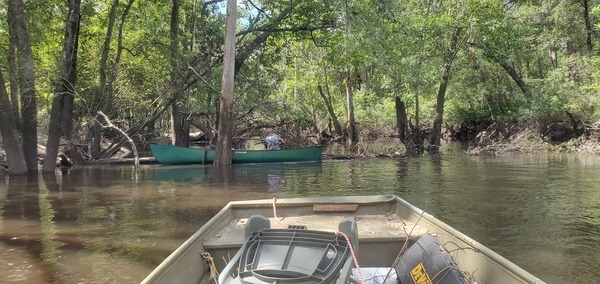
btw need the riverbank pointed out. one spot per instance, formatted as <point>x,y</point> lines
<point>528,138</point>
<point>480,139</point>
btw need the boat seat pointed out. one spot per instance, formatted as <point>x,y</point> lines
<point>292,255</point>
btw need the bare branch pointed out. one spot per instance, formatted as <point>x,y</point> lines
<point>274,30</point>
<point>133,148</point>
<point>204,80</point>
<point>259,9</point>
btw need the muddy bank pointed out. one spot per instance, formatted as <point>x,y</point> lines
<point>532,137</point>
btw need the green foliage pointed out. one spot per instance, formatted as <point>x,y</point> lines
<point>394,48</point>
<point>569,88</point>
<point>373,112</point>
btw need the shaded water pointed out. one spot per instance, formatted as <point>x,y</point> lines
<point>100,225</point>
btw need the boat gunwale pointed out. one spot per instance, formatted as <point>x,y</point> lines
<point>240,150</point>
<point>276,150</point>
<point>479,247</point>
<point>177,155</point>
<point>186,246</point>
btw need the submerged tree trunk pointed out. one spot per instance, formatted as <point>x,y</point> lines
<point>10,136</point>
<point>18,29</point>
<point>65,86</point>
<point>226,119</point>
<point>436,136</point>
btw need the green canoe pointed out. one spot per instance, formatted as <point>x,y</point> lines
<point>167,154</point>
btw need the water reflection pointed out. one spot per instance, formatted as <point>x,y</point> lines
<point>99,225</point>
<point>235,174</point>
<point>275,181</point>
<point>181,173</point>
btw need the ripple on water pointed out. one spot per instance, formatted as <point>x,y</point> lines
<point>541,212</point>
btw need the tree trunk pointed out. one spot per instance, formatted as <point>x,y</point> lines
<point>109,124</point>
<point>352,133</point>
<point>418,70</point>
<point>180,136</point>
<point>108,75</point>
<point>401,119</point>
<point>67,115</point>
<point>107,80</point>
<point>96,138</point>
<point>115,68</point>
<point>65,85</point>
<point>336,123</point>
<point>418,85</point>
<point>436,136</point>
<point>18,29</point>
<point>10,136</point>
<point>226,119</point>
<point>13,78</point>
<point>510,70</point>
<point>105,91</point>
<point>588,25</point>
<point>515,76</point>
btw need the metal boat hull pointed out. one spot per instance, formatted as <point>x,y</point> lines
<point>385,224</point>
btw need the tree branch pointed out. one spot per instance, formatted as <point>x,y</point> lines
<point>275,30</point>
<point>110,125</point>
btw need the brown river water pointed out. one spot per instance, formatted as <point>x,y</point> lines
<point>106,224</point>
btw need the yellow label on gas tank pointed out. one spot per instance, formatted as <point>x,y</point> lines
<point>419,274</point>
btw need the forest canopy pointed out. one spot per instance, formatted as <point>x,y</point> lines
<point>315,70</point>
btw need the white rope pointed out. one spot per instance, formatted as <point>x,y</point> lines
<point>275,213</point>
<point>360,276</point>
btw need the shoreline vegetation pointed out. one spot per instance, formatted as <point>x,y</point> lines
<point>90,81</point>
<point>482,139</point>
